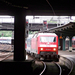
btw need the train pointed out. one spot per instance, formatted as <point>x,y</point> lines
<point>67,43</point>
<point>73,43</point>
<point>28,44</point>
<point>5,40</point>
<point>43,45</point>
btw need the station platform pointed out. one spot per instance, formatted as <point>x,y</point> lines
<point>66,53</point>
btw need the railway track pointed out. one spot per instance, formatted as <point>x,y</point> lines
<point>43,68</point>
<point>6,47</point>
<point>63,67</point>
<point>46,68</point>
<point>58,68</point>
<point>68,64</point>
<point>51,68</point>
<point>5,55</point>
<point>5,51</point>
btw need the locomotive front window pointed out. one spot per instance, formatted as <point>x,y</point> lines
<point>47,39</point>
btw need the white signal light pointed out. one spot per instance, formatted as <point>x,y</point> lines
<point>41,49</point>
<point>54,49</point>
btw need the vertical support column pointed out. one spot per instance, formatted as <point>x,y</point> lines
<point>12,40</point>
<point>63,43</point>
<point>70,43</point>
<point>19,36</point>
<point>58,43</point>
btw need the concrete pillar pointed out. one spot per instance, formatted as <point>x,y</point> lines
<point>19,36</point>
<point>63,43</point>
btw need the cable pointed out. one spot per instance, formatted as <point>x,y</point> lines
<point>51,7</point>
<point>13,5</point>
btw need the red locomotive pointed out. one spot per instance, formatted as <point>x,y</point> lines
<point>44,45</point>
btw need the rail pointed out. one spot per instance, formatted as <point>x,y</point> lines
<point>67,62</point>
<point>43,69</point>
<point>59,68</point>
<point>6,55</point>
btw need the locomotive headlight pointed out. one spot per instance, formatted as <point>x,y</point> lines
<point>54,49</point>
<point>41,49</point>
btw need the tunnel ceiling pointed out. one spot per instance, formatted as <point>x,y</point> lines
<point>39,7</point>
<point>65,30</point>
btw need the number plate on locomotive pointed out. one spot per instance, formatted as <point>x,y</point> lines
<point>47,45</point>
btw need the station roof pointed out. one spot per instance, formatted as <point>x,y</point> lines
<point>39,7</point>
<point>65,30</point>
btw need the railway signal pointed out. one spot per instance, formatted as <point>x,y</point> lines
<point>45,26</point>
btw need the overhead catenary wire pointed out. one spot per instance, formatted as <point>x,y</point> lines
<point>51,7</point>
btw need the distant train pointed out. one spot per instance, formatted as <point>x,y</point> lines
<point>67,43</point>
<point>43,45</point>
<point>28,43</point>
<point>73,43</point>
<point>5,40</point>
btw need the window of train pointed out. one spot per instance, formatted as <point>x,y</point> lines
<point>47,39</point>
<point>35,35</point>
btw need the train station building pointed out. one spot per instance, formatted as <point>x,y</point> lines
<point>19,10</point>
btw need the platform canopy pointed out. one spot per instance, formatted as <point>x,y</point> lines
<point>65,30</point>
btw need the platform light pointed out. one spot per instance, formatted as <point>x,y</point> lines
<point>60,37</point>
